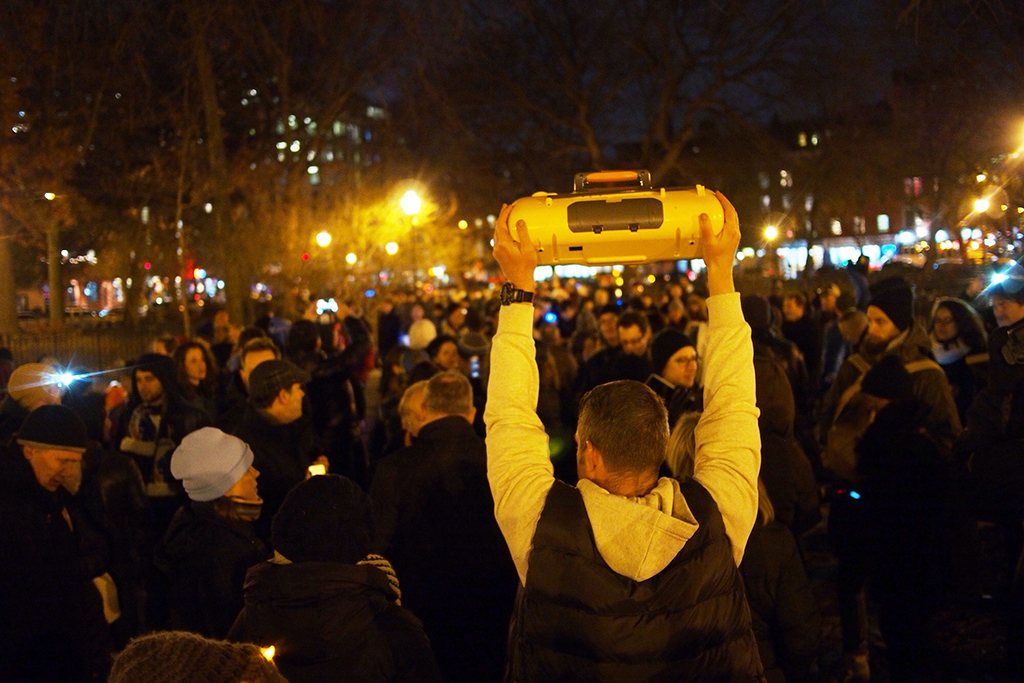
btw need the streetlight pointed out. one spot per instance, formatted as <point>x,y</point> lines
<point>771,232</point>
<point>981,205</point>
<point>411,203</point>
<point>49,196</point>
<point>350,258</point>
<point>323,238</point>
<point>391,248</point>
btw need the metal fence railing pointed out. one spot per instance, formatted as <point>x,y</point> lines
<point>92,350</point>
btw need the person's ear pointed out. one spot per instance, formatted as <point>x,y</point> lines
<point>471,415</point>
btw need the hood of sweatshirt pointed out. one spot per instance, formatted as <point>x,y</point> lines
<point>638,537</point>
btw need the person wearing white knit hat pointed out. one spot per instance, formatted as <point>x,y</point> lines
<point>211,543</point>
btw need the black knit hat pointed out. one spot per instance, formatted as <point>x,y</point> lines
<point>54,427</point>
<point>326,518</point>
<point>664,346</point>
<point>895,297</point>
<point>888,379</point>
<point>178,656</point>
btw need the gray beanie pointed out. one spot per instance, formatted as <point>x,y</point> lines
<point>209,462</point>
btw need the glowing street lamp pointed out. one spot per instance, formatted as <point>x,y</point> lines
<point>350,258</point>
<point>411,203</point>
<point>771,232</point>
<point>981,205</point>
<point>391,248</point>
<point>49,196</point>
<point>323,238</point>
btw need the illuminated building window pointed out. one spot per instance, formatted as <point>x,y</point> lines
<point>785,180</point>
<point>837,227</point>
<point>801,139</point>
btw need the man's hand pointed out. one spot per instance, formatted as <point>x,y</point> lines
<point>518,259</point>
<point>719,251</point>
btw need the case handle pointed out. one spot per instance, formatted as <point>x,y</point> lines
<point>584,181</point>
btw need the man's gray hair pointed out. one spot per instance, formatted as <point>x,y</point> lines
<point>448,393</point>
<point>407,396</point>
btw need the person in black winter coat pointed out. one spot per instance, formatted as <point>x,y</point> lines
<point>456,571</point>
<point>906,498</point>
<point>211,543</point>
<point>331,611</point>
<point>52,626</point>
<point>276,427</point>
<point>785,469</point>
<point>783,612</point>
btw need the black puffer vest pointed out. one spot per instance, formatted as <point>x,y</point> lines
<point>578,620</point>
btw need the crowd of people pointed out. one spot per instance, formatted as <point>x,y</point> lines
<point>572,488</point>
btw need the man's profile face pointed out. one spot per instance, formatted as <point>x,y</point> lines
<point>1007,311</point>
<point>52,465</point>
<point>828,302</point>
<point>792,311</point>
<point>251,360</point>
<point>148,387</point>
<point>881,330</point>
<point>292,403</point>
<point>632,340</point>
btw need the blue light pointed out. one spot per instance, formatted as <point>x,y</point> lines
<point>854,495</point>
<point>998,278</point>
<point>550,317</point>
<point>370,294</point>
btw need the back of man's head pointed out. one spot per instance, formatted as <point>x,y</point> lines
<point>627,423</point>
<point>448,393</point>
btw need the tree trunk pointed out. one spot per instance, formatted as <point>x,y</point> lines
<point>236,280</point>
<point>8,309</point>
<point>53,270</point>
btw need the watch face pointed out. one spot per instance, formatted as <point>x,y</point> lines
<point>506,294</point>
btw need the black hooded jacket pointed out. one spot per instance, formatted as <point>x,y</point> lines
<point>330,621</point>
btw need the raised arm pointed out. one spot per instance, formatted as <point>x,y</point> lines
<point>728,456</point>
<point>518,462</point>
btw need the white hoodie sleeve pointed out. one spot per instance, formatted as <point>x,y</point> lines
<point>518,458</point>
<point>728,456</point>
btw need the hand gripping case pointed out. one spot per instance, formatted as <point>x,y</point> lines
<point>598,225</point>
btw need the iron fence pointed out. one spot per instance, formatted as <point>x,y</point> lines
<point>79,349</point>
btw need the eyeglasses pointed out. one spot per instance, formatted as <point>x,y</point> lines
<point>689,360</point>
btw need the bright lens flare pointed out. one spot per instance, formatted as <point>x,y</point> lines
<point>350,259</point>
<point>268,653</point>
<point>771,232</point>
<point>323,238</point>
<point>411,203</point>
<point>391,248</point>
<point>981,205</point>
<point>998,278</point>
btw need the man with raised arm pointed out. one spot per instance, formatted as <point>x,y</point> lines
<point>627,576</point>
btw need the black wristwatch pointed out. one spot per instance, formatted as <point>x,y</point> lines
<point>511,295</point>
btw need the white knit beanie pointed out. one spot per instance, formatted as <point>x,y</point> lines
<point>209,462</point>
<point>421,333</point>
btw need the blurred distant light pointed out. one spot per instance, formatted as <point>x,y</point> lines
<point>220,284</point>
<point>771,232</point>
<point>147,265</point>
<point>998,278</point>
<point>652,279</point>
<point>981,177</point>
<point>312,170</point>
<point>323,238</point>
<point>619,281</point>
<point>411,203</point>
<point>199,273</point>
<point>618,293</point>
<point>305,257</point>
<point>208,207</point>
<point>941,235</point>
<point>463,225</point>
<point>1003,207</point>
<point>350,259</point>
<point>391,248</point>
<point>296,146</point>
<point>550,318</point>
<point>981,205</point>
<point>50,196</point>
<point>370,293</point>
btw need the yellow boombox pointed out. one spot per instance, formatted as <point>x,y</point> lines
<point>599,225</point>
